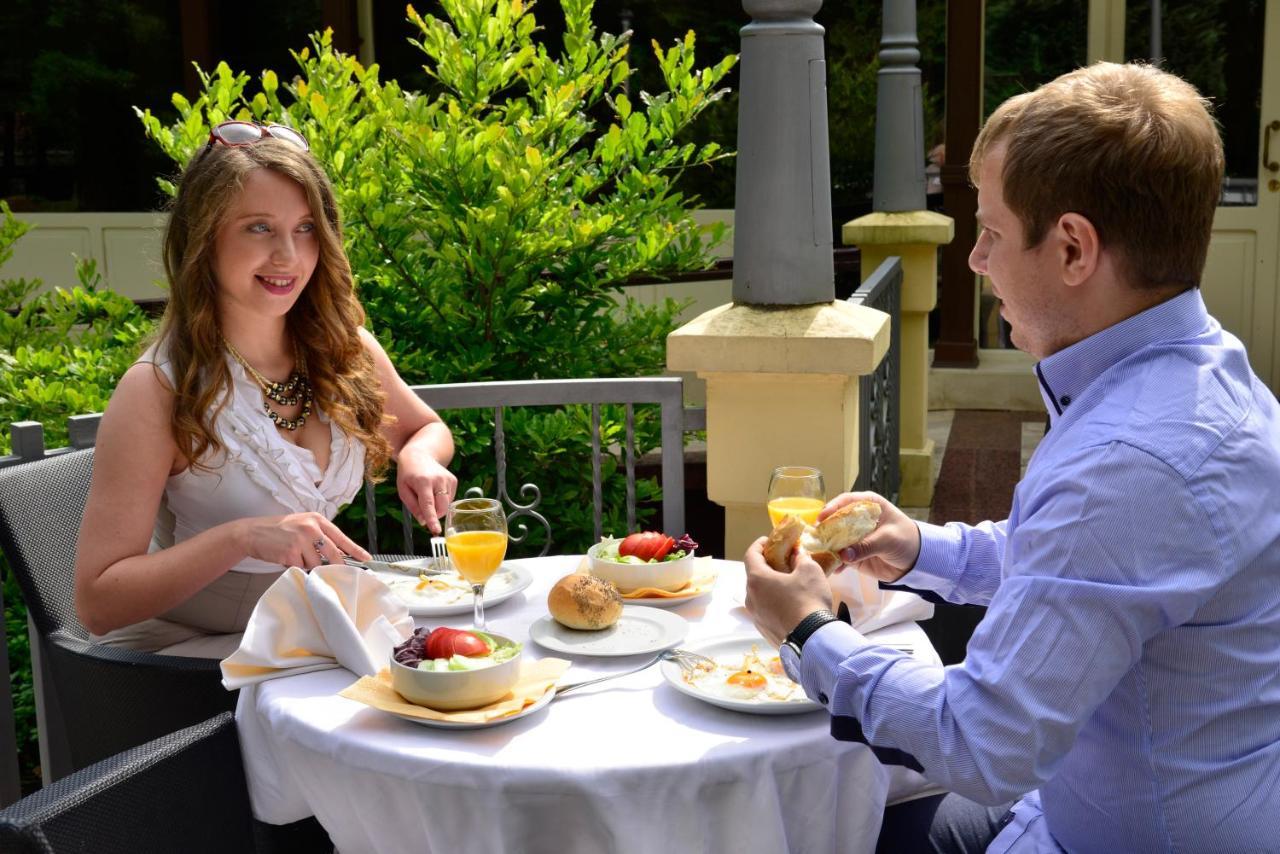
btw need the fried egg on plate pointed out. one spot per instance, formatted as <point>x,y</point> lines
<point>750,678</point>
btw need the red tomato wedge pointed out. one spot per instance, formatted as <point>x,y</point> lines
<point>445,642</point>
<point>647,545</point>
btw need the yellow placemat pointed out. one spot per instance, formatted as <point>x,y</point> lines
<point>704,578</point>
<point>536,678</point>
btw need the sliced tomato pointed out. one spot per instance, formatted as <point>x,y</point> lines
<point>445,642</point>
<point>647,545</point>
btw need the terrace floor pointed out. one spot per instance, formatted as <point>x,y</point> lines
<point>978,458</point>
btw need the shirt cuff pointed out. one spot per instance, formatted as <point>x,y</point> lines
<point>820,660</point>
<point>938,566</point>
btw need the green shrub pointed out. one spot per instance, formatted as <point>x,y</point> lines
<point>61,354</point>
<point>491,225</point>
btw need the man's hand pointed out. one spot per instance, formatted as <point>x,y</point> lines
<point>890,551</point>
<point>778,601</point>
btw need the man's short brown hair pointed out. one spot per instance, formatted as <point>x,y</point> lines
<point>1130,147</point>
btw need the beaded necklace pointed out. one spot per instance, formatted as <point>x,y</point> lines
<point>296,389</point>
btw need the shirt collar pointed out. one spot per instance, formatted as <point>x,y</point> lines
<point>1066,374</point>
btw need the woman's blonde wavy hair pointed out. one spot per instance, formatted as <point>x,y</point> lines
<point>324,323</point>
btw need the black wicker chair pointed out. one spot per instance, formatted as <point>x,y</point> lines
<point>183,792</point>
<point>94,700</point>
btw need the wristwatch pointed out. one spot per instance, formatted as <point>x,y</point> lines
<point>807,627</point>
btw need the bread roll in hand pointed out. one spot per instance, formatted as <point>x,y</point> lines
<point>582,601</point>
<point>823,541</point>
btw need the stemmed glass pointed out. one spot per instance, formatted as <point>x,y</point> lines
<point>475,534</point>
<point>796,491</point>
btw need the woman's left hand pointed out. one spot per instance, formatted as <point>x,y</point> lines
<point>426,487</point>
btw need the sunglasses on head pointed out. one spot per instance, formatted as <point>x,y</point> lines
<point>237,133</point>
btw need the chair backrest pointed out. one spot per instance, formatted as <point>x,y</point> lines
<point>184,792</point>
<point>41,504</point>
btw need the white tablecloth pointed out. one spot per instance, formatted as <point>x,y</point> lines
<point>630,765</point>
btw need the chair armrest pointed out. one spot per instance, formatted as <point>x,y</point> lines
<point>184,791</point>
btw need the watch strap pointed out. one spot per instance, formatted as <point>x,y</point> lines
<point>808,626</point>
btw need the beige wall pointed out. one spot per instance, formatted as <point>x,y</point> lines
<point>125,245</point>
<point>127,248</point>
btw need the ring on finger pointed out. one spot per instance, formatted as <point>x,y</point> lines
<point>442,492</point>
<point>318,545</point>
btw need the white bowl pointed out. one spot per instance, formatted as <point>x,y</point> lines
<point>664,575</point>
<point>449,690</point>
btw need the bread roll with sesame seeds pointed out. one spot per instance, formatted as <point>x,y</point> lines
<point>583,601</point>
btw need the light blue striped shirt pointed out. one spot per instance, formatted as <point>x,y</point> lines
<point>1127,672</point>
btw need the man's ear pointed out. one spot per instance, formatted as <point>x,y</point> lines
<point>1079,248</point>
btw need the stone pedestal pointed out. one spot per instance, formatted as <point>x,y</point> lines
<point>782,389</point>
<point>915,237</point>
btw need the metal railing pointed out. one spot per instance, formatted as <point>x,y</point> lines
<point>878,395</point>
<point>667,392</point>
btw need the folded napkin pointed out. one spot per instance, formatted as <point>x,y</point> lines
<point>871,608</point>
<point>536,678</point>
<point>332,616</point>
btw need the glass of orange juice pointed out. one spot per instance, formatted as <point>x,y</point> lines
<point>796,491</point>
<point>475,533</point>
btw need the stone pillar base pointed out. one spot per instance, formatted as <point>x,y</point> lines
<point>743,523</point>
<point>916,466</point>
<point>782,389</point>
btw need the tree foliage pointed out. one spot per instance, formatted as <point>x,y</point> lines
<point>491,224</point>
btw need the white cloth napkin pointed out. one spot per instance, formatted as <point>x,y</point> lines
<point>871,608</point>
<point>332,616</point>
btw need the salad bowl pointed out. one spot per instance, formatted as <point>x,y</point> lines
<point>630,573</point>
<point>479,684</point>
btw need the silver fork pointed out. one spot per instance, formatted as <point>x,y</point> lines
<point>687,661</point>
<point>439,554</point>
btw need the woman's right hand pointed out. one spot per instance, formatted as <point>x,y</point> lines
<point>890,551</point>
<point>307,540</point>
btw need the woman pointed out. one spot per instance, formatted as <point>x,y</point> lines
<point>230,445</point>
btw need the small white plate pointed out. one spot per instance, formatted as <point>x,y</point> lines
<point>509,580</point>
<point>527,710</point>
<point>733,647</point>
<point>638,630</point>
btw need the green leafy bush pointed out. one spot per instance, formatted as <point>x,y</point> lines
<point>61,354</point>
<point>491,225</point>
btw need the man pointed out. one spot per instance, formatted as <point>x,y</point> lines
<point>1123,690</point>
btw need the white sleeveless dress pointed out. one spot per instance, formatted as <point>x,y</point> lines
<point>261,475</point>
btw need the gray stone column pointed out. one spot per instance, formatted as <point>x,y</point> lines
<point>899,175</point>
<point>782,212</point>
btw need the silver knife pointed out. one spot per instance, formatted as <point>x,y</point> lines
<point>403,569</point>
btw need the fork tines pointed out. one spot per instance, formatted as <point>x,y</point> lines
<point>439,554</point>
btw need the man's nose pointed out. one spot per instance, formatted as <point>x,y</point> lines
<point>978,256</point>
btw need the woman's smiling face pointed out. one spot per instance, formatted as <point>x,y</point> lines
<point>266,249</point>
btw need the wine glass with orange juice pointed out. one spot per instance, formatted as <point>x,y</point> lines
<point>796,491</point>
<point>475,534</point>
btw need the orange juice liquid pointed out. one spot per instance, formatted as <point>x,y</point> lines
<point>476,554</point>
<point>795,505</point>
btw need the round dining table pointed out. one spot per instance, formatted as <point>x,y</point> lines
<point>629,765</point>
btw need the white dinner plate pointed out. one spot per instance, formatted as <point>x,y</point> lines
<point>547,697</point>
<point>735,647</point>
<point>638,630</point>
<point>509,580</point>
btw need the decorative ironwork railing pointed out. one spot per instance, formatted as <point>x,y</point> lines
<point>878,396</point>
